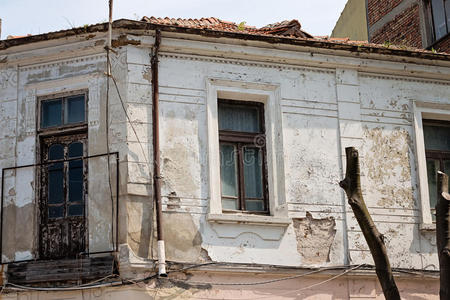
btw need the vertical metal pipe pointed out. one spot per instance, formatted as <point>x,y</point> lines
<point>156,156</point>
<point>110,23</point>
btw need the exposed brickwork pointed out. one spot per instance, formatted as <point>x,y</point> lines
<point>403,30</point>
<point>376,9</point>
<point>443,45</point>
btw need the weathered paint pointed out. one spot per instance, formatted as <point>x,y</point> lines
<point>326,103</point>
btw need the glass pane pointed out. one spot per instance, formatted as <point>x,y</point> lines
<point>75,181</point>
<point>228,170</point>
<point>447,12</point>
<point>55,152</point>
<point>76,210</point>
<point>432,168</point>
<point>254,205</point>
<point>55,184</point>
<point>447,170</point>
<point>253,173</point>
<point>51,113</point>
<point>436,137</point>
<point>74,112</point>
<point>440,27</point>
<point>239,118</point>
<point>55,212</point>
<point>76,149</point>
<point>228,203</point>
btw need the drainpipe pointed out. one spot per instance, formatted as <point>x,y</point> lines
<point>156,157</point>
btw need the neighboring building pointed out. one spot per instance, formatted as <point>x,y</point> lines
<point>412,23</point>
<point>352,22</point>
<point>253,125</point>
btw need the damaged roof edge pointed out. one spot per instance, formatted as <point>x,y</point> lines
<point>140,25</point>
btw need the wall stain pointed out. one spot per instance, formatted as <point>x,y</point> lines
<point>388,166</point>
<point>314,238</point>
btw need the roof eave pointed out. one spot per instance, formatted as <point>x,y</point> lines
<point>139,25</point>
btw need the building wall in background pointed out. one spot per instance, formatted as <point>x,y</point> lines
<point>404,29</point>
<point>406,23</point>
<point>352,23</point>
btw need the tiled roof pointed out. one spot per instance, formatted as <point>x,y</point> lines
<point>288,32</point>
<point>286,28</point>
<point>290,29</point>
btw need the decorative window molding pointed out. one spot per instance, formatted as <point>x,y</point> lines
<point>430,111</point>
<point>269,95</point>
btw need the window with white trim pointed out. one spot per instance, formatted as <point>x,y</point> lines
<point>436,135</point>
<point>432,133</point>
<point>234,196</point>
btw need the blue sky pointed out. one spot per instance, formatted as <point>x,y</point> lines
<point>21,17</point>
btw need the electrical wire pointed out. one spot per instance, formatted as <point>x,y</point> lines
<point>128,118</point>
<point>109,73</point>
<point>262,282</point>
<point>281,279</point>
<point>138,140</point>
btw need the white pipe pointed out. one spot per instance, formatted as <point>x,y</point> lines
<point>161,259</point>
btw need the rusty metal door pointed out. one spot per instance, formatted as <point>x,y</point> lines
<point>63,196</point>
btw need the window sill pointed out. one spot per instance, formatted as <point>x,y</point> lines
<point>249,220</point>
<point>427,227</point>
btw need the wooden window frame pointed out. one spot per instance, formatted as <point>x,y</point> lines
<point>241,140</point>
<point>437,154</point>
<point>63,97</point>
<point>431,23</point>
<point>64,131</point>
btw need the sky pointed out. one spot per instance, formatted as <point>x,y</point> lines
<point>21,17</point>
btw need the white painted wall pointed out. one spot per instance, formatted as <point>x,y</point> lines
<point>327,101</point>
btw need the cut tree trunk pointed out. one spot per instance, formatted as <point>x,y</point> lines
<point>352,187</point>
<point>443,235</point>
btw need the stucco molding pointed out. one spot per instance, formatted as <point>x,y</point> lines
<point>269,94</point>
<point>401,78</point>
<point>53,63</point>
<point>437,111</point>
<point>246,63</point>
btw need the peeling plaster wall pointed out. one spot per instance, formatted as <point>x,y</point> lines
<point>52,72</point>
<point>323,109</point>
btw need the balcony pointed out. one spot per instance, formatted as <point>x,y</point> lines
<point>59,219</point>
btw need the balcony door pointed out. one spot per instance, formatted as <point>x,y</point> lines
<point>63,196</point>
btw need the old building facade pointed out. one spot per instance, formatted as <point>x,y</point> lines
<point>412,23</point>
<point>253,125</point>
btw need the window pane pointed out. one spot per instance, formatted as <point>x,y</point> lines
<point>76,210</point>
<point>254,205</point>
<point>253,176</point>
<point>55,183</point>
<point>51,113</point>
<point>76,149</point>
<point>228,170</point>
<point>447,170</point>
<point>447,12</point>
<point>432,168</point>
<point>228,203</point>
<point>55,212</point>
<point>239,118</point>
<point>76,181</point>
<point>55,152</point>
<point>436,137</point>
<point>74,112</point>
<point>440,27</point>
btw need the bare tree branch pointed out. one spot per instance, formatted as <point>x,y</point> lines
<point>352,187</point>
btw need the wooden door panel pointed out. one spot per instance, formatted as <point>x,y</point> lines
<point>62,233</point>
